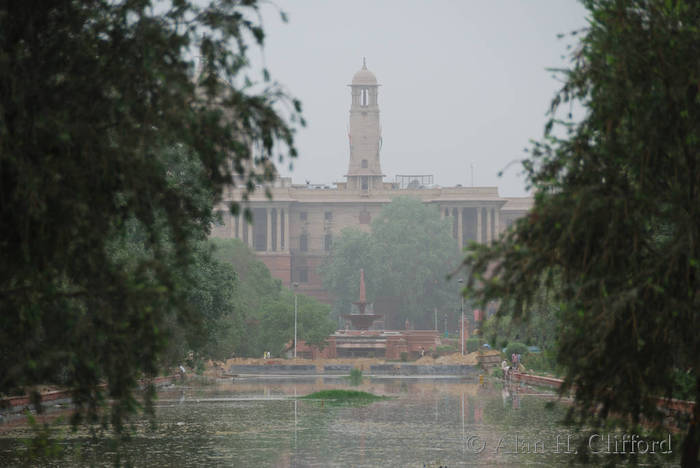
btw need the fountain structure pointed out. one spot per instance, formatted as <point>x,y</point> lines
<point>357,339</point>
<point>365,316</point>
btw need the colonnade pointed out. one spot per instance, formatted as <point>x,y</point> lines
<point>276,235</point>
<point>483,229</point>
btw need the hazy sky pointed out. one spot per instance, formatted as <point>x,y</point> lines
<point>462,82</point>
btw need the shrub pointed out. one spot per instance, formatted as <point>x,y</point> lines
<point>497,372</point>
<point>355,376</point>
<point>199,367</point>
<point>543,362</point>
<point>445,349</point>
<point>517,348</point>
<point>472,344</point>
<point>404,356</point>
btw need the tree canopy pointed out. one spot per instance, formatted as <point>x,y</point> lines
<point>112,152</point>
<point>616,219</point>
<point>264,317</point>
<point>406,257</point>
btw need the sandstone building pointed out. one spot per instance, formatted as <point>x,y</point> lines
<point>293,232</point>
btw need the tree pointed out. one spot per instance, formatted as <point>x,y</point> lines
<point>211,295</point>
<point>340,272</point>
<point>617,217</point>
<point>407,257</point>
<point>94,95</point>
<point>539,330</point>
<point>264,311</point>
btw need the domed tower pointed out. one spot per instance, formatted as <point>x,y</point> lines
<point>364,171</point>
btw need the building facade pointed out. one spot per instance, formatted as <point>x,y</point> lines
<point>293,232</point>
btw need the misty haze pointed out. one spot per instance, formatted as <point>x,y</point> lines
<point>411,234</point>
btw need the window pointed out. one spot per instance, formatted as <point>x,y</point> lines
<point>304,243</point>
<point>364,164</point>
<point>364,100</point>
<point>327,242</point>
<point>365,183</point>
<point>303,275</point>
<point>303,216</point>
<point>328,216</point>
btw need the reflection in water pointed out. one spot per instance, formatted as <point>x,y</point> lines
<point>258,422</point>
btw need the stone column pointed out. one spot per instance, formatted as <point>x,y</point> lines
<point>478,225</point>
<point>236,222</point>
<point>268,240</point>
<point>251,241</point>
<point>279,230</point>
<point>496,222</point>
<point>488,225</point>
<point>287,232</point>
<point>460,222</point>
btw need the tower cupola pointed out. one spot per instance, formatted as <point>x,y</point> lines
<point>364,171</point>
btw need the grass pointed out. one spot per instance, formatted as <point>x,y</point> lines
<point>344,396</point>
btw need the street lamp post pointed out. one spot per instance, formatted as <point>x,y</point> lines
<point>295,285</point>
<point>461,323</point>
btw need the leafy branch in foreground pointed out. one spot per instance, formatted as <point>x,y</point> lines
<point>614,233</point>
<point>112,154</point>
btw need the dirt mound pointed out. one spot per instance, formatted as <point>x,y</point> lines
<point>470,359</point>
<point>360,363</point>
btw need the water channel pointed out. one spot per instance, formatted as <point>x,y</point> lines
<point>257,422</point>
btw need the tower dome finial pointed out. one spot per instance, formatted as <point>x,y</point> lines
<point>364,76</point>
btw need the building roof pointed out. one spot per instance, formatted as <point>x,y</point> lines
<point>518,204</point>
<point>364,76</point>
<point>464,196</point>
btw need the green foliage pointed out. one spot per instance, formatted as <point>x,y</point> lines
<point>497,372</point>
<point>355,376</point>
<point>351,251</point>
<point>344,396</point>
<point>44,447</point>
<point>472,344</point>
<point>210,298</point>
<point>684,384</point>
<point>445,349</point>
<point>541,362</point>
<point>264,319</point>
<point>406,259</point>
<point>404,356</point>
<point>614,235</point>
<point>540,328</point>
<point>517,348</point>
<point>112,154</point>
